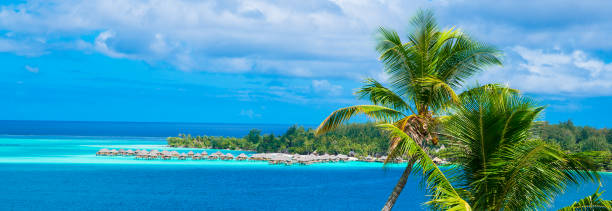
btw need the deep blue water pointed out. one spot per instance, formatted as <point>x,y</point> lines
<point>134,187</point>
<point>62,173</point>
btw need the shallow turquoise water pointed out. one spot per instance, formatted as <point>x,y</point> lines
<point>53,173</point>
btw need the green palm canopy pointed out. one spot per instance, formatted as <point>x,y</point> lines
<point>425,70</point>
<point>499,163</point>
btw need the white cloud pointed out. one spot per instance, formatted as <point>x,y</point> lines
<point>101,45</point>
<point>249,113</point>
<point>323,86</point>
<point>554,72</point>
<point>31,69</point>
<point>318,39</point>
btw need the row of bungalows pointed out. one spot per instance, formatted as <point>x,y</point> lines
<point>287,159</point>
<point>114,152</point>
<point>380,159</point>
<point>169,155</point>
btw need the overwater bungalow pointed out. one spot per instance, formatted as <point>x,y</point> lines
<point>153,155</point>
<point>142,154</point>
<point>190,154</point>
<point>114,152</point>
<point>213,156</point>
<point>129,152</point>
<point>242,156</point>
<point>175,154</point>
<point>166,155</point>
<point>182,156</point>
<point>228,156</point>
<point>156,152</point>
<point>220,154</point>
<point>204,155</point>
<point>165,152</point>
<point>103,152</point>
<point>196,156</point>
<point>121,152</point>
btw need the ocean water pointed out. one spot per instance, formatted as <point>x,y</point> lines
<point>63,173</point>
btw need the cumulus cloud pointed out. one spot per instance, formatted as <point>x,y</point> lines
<point>317,39</point>
<point>553,72</point>
<point>323,86</point>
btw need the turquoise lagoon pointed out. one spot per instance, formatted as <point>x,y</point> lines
<point>63,173</point>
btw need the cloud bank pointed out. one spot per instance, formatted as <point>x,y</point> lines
<point>551,48</point>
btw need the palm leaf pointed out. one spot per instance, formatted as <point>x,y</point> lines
<point>380,95</point>
<point>590,203</point>
<point>340,116</point>
<point>444,196</point>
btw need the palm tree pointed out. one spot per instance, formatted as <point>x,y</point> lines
<point>424,73</point>
<point>592,203</point>
<point>500,165</point>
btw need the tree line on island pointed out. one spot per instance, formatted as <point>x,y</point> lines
<point>363,139</point>
<point>352,139</point>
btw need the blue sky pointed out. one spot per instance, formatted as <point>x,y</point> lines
<point>276,61</point>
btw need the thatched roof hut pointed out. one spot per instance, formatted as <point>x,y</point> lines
<point>129,152</point>
<point>229,156</point>
<point>242,156</point>
<point>121,151</point>
<point>114,152</point>
<point>213,156</point>
<point>204,153</point>
<point>182,156</point>
<point>190,154</point>
<point>142,154</point>
<point>156,152</point>
<point>196,156</point>
<point>103,152</point>
<point>174,154</point>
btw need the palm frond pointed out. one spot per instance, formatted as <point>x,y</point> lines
<point>380,95</point>
<point>441,95</point>
<point>444,196</point>
<point>503,168</point>
<point>591,203</point>
<point>340,116</point>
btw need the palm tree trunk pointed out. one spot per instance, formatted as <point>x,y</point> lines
<point>399,186</point>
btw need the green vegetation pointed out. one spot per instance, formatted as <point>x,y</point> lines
<point>501,166</point>
<point>585,141</point>
<point>357,139</point>
<point>592,202</point>
<point>575,138</point>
